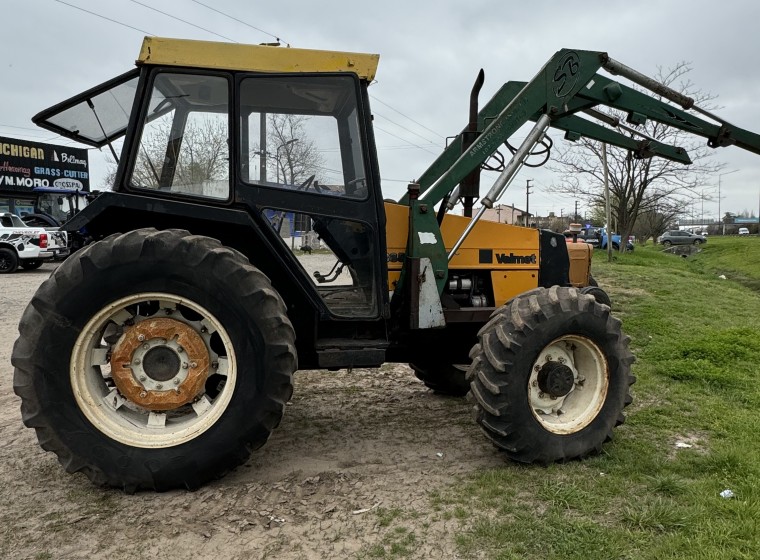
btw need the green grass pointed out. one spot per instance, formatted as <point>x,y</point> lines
<point>697,342</point>
<point>738,258</point>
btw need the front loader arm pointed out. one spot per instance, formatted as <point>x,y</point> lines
<point>568,85</point>
<point>556,83</point>
<point>575,127</point>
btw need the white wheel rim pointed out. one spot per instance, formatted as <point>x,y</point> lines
<point>573,411</point>
<point>125,421</point>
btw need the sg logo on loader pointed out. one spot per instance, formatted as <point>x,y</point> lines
<point>566,74</point>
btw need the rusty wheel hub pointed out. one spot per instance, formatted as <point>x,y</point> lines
<point>160,364</point>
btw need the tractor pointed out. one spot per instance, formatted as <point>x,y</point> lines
<point>172,340</point>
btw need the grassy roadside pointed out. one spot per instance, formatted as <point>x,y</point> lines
<point>692,432</point>
<point>738,258</point>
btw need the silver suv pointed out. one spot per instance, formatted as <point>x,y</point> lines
<point>678,237</point>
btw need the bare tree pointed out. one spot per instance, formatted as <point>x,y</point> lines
<point>638,186</point>
<point>200,154</point>
<point>293,154</point>
<point>204,154</point>
<point>656,220</point>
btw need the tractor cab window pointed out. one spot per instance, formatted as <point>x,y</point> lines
<point>184,144</point>
<point>302,133</point>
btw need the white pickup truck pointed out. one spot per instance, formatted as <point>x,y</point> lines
<point>28,247</point>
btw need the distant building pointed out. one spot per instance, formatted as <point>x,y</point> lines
<point>505,214</point>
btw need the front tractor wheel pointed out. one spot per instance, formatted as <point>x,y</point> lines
<point>148,377</point>
<point>551,376</point>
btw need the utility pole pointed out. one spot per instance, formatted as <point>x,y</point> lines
<point>720,216</point>
<point>527,201</point>
<point>607,202</point>
<point>702,218</point>
<point>575,215</point>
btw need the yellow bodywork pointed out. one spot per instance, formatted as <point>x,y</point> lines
<point>254,58</point>
<point>510,253</point>
<point>580,262</point>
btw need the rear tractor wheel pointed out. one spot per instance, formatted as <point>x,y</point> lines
<point>442,378</point>
<point>551,376</point>
<point>151,379</point>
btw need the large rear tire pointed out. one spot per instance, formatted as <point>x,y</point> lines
<point>551,376</point>
<point>167,359</point>
<point>442,378</point>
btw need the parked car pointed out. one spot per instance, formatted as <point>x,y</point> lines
<point>743,231</point>
<point>597,236</point>
<point>28,247</point>
<point>678,237</point>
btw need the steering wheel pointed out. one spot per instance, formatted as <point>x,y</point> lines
<point>305,185</point>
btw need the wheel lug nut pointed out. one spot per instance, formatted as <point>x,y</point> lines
<point>159,386</point>
<point>176,381</point>
<point>185,365</point>
<point>541,395</point>
<point>137,362</point>
<point>146,347</point>
<point>143,394</point>
<point>143,378</point>
<point>180,349</point>
<point>193,365</point>
<point>140,337</point>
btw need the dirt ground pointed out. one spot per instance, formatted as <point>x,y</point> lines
<point>351,468</point>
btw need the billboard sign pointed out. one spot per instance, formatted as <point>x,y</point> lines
<point>26,165</point>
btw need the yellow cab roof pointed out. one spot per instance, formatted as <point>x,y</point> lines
<point>254,58</point>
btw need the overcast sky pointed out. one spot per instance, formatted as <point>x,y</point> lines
<point>430,52</point>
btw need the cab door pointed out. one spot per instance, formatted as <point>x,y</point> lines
<point>304,165</point>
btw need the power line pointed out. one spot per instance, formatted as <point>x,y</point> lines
<point>401,126</point>
<point>182,20</point>
<point>20,127</point>
<point>404,140</point>
<point>240,21</point>
<point>406,116</point>
<point>105,18</point>
<point>407,147</point>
